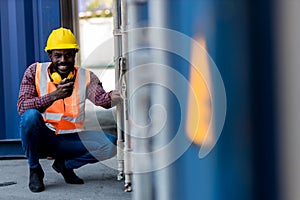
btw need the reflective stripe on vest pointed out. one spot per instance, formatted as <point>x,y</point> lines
<point>65,115</point>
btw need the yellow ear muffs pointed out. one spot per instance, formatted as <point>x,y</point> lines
<point>57,78</point>
<point>71,75</point>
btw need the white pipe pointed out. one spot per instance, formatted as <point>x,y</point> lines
<point>117,55</point>
<point>124,80</point>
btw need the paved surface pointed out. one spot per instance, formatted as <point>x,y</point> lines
<point>100,183</point>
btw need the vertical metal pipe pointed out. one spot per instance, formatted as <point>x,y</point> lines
<point>124,80</point>
<point>119,109</point>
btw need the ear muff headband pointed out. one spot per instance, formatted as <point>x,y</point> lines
<point>57,78</point>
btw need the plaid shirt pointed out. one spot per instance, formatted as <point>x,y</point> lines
<point>28,96</point>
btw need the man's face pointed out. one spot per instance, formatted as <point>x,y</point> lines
<point>63,61</point>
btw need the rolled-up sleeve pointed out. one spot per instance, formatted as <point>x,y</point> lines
<point>97,94</point>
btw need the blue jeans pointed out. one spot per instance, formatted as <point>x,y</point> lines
<point>77,149</point>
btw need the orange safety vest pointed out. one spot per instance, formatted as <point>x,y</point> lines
<point>64,115</point>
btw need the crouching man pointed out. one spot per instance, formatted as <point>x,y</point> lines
<point>52,107</point>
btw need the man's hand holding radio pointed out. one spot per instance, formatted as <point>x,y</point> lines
<point>64,89</point>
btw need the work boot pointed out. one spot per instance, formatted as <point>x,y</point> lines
<point>36,179</point>
<point>68,174</point>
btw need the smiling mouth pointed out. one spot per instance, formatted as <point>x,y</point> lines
<point>63,68</point>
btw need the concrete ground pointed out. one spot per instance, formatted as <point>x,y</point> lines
<point>100,183</point>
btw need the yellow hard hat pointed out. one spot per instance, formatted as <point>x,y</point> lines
<point>61,38</point>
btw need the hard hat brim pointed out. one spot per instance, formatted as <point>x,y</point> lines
<point>62,47</point>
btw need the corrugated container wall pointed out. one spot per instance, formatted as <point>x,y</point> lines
<point>24,28</point>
